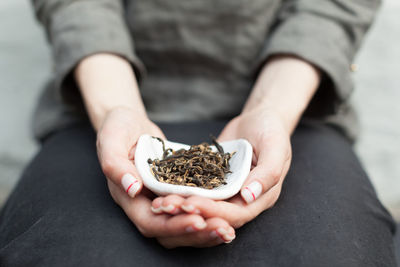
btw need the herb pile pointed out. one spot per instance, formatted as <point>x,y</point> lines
<point>198,166</point>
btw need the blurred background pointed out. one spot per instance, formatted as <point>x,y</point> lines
<point>25,65</point>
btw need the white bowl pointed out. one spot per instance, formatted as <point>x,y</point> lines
<point>240,163</point>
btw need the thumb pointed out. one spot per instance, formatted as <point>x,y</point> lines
<point>272,165</point>
<point>116,141</point>
<point>118,168</point>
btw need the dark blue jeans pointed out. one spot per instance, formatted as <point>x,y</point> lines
<point>61,214</point>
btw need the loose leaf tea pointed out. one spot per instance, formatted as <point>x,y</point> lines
<point>198,166</point>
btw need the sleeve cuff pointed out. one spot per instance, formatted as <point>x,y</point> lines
<point>319,41</point>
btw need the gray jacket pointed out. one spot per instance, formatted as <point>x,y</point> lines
<point>197,60</point>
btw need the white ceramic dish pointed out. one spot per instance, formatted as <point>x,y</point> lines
<point>240,163</point>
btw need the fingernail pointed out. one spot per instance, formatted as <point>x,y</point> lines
<point>130,184</point>
<point>251,192</point>
<point>228,238</point>
<point>200,225</point>
<point>188,208</point>
<point>168,208</point>
<point>218,233</point>
<point>156,210</point>
<point>221,231</point>
<point>189,229</point>
<point>223,234</point>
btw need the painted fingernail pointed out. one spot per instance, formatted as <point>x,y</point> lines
<point>223,237</point>
<point>170,208</point>
<point>156,210</point>
<point>200,225</point>
<point>228,238</point>
<point>190,209</point>
<point>221,231</point>
<point>251,192</point>
<point>130,184</point>
<point>223,234</point>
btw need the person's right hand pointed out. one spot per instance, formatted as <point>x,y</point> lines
<point>116,143</point>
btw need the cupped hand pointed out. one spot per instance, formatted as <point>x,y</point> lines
<point>265,129</point>
<point>116,143</point>
<point>172,230</point>
<point>266,132</point>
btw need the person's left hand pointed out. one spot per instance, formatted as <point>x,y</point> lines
<point>266,132</point>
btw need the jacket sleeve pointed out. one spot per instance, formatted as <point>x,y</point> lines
<point>79,28</point>
<point>326,33</point>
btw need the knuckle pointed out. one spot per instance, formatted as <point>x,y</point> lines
<point>99,145</point>
<point>165,243</point>
<point>107,166</point>
<point>237,223</point>
<point>275,175</point>
<point>144,231</point>
<point>99,137</point>
<point>272,201</point>
<point>245,217</point>
<point>288,154</point>
<point>288,150</point>
<point>158,201</point>
<point>98,142</point>
<point>113,193</point>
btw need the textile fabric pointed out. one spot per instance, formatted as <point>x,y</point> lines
<point>61,213</point>
<point>198,60</point>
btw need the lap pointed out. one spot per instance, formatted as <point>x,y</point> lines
<point>328,214</point>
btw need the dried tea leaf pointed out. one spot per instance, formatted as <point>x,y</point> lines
<point>198,166</point>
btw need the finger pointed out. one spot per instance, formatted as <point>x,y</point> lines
<point>158,225</point>
<point>217,232</point>
<point>220,230</point>
<point>156,205</point>
<point>170,204</point>
<point>272,165</point>
<point>235,214</point>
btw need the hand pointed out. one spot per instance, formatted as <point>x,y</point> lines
<point>264,129</point>
<point>116,144</point>
<point>172,231</point>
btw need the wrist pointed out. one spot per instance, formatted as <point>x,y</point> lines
<point>285,85</point>
<point>107,82</point>
<point>100,113</point>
